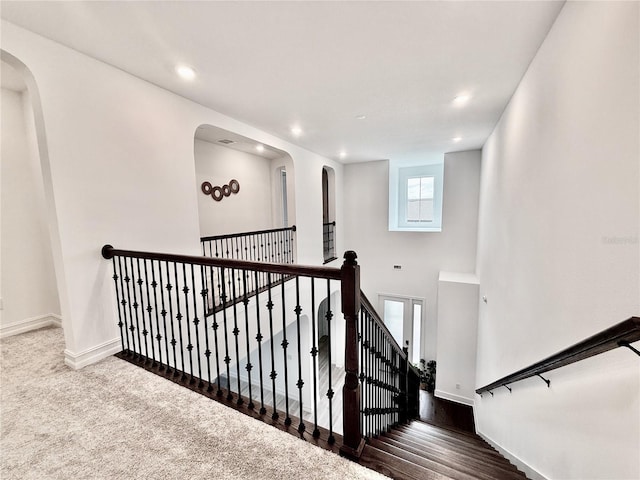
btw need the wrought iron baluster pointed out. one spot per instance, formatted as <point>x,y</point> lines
<point>300,383</point>
<point>155,284</point>
<point>236,332</point>
<point>227,359</point>
<point>145,332</point>
<point>285,344</point>
<point>214,325</point>
<point>196,322</point>
<point>122,314</point>
<point>259,338</point>
<point>273,374</point>
<point>135,308</point>
<point>179,319</point>
<point>314,359</point>
<point>149,311</point>
<point>361,368</point>
<point>330,391</point>
<point>207,352</point>
<point>173,342</point>
<point>249,366</point>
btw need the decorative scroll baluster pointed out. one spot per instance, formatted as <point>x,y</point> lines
<point>259,338</point>
<point>169,288</point>
<point>116,275</point>
<point>330,391</point>
<point>285,344</point>
<point>300,383</point>
<point>273,374</point>
<point>227,359</point>
<point>207,352</point>
<point>214,326</point>
<point>149,311</point>
<point>138,352</point>
<point>236,332</point>
<point>145,332</point>
<point>158,337</point>
<point>179,319</point>
<point>249,366</point>
<point>185,290</point>
<point>314,359</point>
<point>196,322</point>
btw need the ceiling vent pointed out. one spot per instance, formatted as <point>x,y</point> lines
<point>226,141</point>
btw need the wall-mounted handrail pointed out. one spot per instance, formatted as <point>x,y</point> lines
<point>620,335</point>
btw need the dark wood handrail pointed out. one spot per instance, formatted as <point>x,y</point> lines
<point>246,234</point>
<point>331,273</point>
<point>365,302</point>
<point>369,307</point>
<point>622,334</point>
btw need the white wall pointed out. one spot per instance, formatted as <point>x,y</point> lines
<point>118,162</point>
<point>457,337</point>
<point>558,253</point>
<point>29,292</point>
<point>250,208</point>
<point>421,255</point>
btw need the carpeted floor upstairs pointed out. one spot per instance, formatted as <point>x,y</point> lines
<point>113,420</point>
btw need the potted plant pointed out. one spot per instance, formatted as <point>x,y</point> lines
<point>427,375</point>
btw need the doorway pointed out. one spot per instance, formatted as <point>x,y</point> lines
<point>403,316</point>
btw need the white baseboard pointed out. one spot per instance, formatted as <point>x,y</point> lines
<point>453,398</point>
<point>92,355</point>
<point>28,324</point>
<point>528,470</point>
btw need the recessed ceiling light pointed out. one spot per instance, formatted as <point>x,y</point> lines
<point>260,147</point>
<point>342,154</point>
<point>361,117</point>
<point>296,130</point>
<point>456,139</point>
<point>461,99</point>
<point>186,73</point>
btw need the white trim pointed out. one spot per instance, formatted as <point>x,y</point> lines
<point>28,324</point>
<point>91,355</point>
<point>454,398</point>
<point>528,470</point>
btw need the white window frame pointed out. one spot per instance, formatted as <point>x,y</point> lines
<point>398,176</point>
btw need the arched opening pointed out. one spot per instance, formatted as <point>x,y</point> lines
<point>30,255</point>
<point>241,183</point>
<point>328,215</point>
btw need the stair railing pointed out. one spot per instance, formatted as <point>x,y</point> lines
<point>276,245</point>
<point>329,241</point>
<point>262,353</point>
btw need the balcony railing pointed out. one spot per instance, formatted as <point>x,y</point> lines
<point>262,354</point>
<point>328,241</point>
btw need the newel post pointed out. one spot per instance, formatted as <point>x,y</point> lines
<point>352,441</point>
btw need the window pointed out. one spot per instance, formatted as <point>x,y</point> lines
<point>415,197</point>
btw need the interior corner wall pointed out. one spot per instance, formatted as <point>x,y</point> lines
<point>29,292</point>
<point>558,250</point>
<point>120,152</point>
<point>421,255</point>
<point>250,208</point>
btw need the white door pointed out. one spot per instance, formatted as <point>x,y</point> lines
<point>403,317</point>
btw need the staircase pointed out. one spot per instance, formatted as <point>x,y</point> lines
<point>422,451</point>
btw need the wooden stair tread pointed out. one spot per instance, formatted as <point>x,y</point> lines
<point>443,449</point>
<point>396,467</point>
<point>472,466</point>
<point>450,440</point>
<point>421,460</point>
<point>447,430</point>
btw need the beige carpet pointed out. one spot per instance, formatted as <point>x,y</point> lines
<point>113,420</point>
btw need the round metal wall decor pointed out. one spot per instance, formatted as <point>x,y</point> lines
<point>219,192</point>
